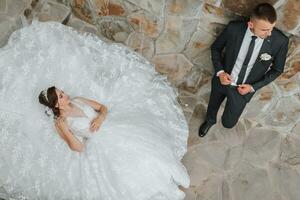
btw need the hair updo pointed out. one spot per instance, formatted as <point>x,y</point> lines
<point>49,98</point>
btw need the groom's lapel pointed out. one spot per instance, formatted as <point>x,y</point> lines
<point>265,48</point>
<point>239,41</point>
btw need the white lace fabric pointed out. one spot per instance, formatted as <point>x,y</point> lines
<point>136,153</point>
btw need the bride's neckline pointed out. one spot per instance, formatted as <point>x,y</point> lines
<point>75,106</point>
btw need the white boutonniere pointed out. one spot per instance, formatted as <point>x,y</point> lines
<point>265,57</point>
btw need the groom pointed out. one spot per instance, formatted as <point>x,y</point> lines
<point>246,57</point>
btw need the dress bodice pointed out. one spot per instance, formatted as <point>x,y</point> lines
<point>80,125</point>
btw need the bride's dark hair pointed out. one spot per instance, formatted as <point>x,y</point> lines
<point>49,98</point>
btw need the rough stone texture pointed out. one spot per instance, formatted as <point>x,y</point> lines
<point>83,26</point>
<point>175,66</point>
<point>105,7</point>
<point>291,150</point>
<point>140,43</point>
<point>262,103</point>
<point>260,157</point>
<point>285,181</point>
<point>153,6</point>
<point>250,183</point>
<point>143,22</point>
<point>196,78</point>
<point>15,8</point>
<point>261,145</point>
<point>4,30</point>
<point>2,6</point>
<point>288,82</point>
<point>76,23</point>
<point>82,10</point>
<point>197,50</point>
<point>115,29</point>
<point>188,8</point>
<point>289,12</point>
<point>7,26</point>
<point>285,113</point>
<point>10,21</point>
<point>52,11</point>
<point>173,39</point>
<point>243,7</point>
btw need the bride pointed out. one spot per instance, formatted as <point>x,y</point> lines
<point>63,108</point>
<point>125,144</point>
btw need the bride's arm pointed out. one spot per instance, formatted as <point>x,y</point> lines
<point>66,134</point>
<point>100,108</point>
<point>94,104</point>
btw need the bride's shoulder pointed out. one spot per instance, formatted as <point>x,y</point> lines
<point>77,100</point>
<point>80,99</point>
<point>89,102</point>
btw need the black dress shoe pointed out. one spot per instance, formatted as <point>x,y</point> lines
<point>204,128</point>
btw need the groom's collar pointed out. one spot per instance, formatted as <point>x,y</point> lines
<point>249,34</point>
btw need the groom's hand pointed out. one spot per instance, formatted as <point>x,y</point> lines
<point>225,78</point>
<point>244,89</point>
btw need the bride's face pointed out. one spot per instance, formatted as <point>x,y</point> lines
<point>62,98</point>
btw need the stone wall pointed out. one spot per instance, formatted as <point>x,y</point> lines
<point>176,34</point>
<point>173,34</point>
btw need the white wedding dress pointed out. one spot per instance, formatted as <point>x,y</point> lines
<point>135,155</point>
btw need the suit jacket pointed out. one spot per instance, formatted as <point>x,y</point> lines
<point>225,49</point>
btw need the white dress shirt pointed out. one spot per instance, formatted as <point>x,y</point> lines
<point>242,55</point>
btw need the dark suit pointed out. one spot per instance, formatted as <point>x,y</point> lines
<point>224,52</point>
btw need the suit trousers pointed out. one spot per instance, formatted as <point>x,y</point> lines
<point>235,103</point>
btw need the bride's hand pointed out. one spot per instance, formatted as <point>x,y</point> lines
<point>61,122</point>
<point>95,124</point>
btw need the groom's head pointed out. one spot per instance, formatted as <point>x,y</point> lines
<point>262,20</point>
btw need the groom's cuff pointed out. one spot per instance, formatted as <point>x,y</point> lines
<point>252,89</point>
<point>219,72</point>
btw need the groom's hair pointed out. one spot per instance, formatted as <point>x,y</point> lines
<point>264,11</point>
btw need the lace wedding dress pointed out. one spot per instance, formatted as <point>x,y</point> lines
<point>136,153</point>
